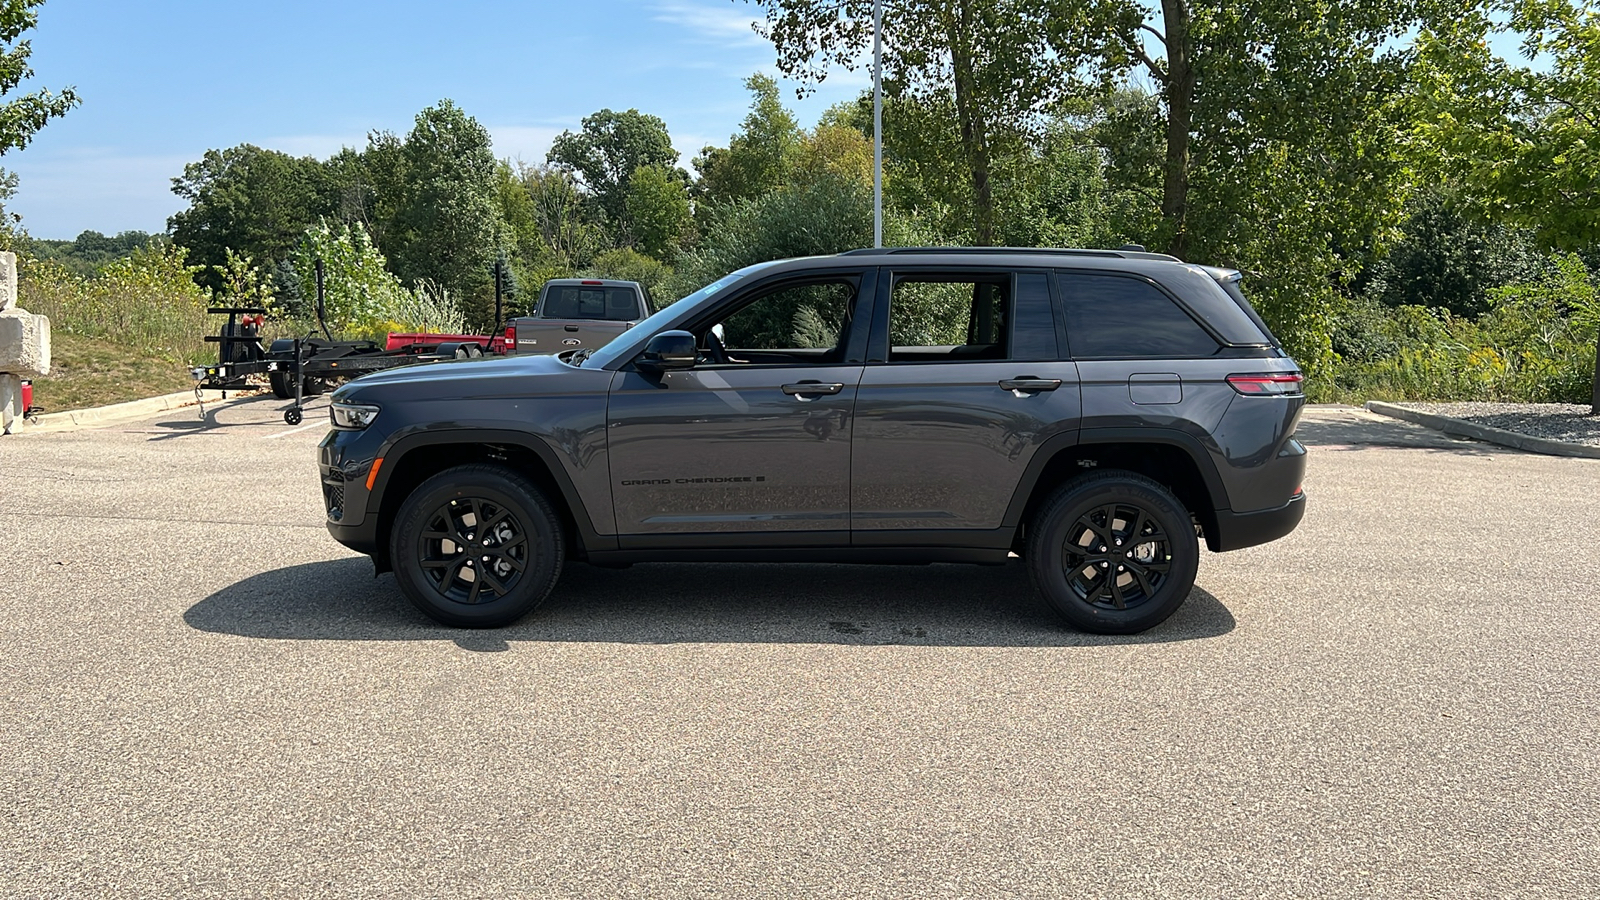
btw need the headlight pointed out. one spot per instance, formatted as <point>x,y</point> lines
<point>352,416</point>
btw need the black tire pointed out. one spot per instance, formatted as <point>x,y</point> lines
<point>432,528</point>
<point>293,416</point>
<point>1088,561</point>
<point>280,385</point>
<point>312,387</point>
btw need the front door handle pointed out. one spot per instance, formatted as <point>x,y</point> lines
<point>1026,384</point>
<point>811,387</point>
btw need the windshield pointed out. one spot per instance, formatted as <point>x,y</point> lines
<point>622,346</point>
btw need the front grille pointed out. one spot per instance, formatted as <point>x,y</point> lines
<point>333,497</point>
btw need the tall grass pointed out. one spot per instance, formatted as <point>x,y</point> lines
<point>147,302</point>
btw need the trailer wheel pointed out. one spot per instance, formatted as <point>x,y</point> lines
<point>476,546</point>
<point>293,416</point>
<point>283,385</point>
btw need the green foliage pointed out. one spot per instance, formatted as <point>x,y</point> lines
<point>758,158</point>
<point>605,153</point>
<point>248,200</point>
<point>1535,342</point>
<point>1444,258</point>
<point>658,208</point>
<point>363,299</point>
<point>22,117</point>
<point>147,301</point>
<point>90,250</point>
<point>244,284</point>
<point>625,264</point>
<point>1527,140</point>
<point>828,216</point>
<point>448,224</point>
<point>990,62</point>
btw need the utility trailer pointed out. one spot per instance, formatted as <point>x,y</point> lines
<point>300,367</point>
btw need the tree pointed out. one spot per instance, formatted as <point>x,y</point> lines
<point>1529,141</point>
<point>759,157</point>
<point>448,227</point>
<point>605,152</point>
<point>991,60</point>
<point>22,117</point>
<point>658,208</point>
<point>252,201</point>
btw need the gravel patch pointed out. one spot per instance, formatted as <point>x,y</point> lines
<point>1570,422</point>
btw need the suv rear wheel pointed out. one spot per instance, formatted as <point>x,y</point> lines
<point>1113,552</point>
<point>477,547</point>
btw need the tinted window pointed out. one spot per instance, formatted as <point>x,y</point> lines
<point>573,301</point>
<point>1110,317</point>
<point>793,317</point>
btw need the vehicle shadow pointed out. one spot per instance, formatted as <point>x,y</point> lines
<point>941,605</point>
<point>260,412</point>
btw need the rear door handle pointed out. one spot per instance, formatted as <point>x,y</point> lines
<point>811,387</point>
<point>1031,384</point>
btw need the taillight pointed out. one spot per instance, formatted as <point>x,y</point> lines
<point>1267,385</point>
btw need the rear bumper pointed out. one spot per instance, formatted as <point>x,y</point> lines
<point>1235,531</point>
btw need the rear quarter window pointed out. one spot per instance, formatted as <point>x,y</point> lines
<point>1111,317</point>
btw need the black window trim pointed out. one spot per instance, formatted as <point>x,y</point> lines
<point>889,276</point>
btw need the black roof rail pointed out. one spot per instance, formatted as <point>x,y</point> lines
<point>1126,252</point>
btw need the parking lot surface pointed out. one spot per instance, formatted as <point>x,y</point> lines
<point>201,694</point>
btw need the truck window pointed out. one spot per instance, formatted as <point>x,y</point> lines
<point>572,301</point>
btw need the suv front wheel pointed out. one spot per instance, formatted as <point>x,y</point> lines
<point>476,546</point>
<point>1113,552</point>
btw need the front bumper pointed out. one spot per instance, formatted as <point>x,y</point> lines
<point>344,461</point>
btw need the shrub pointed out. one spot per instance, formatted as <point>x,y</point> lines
<point>147,301</point>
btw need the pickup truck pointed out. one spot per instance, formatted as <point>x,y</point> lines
<point>579,314</point>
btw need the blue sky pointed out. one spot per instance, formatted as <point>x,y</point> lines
<point>162,81</point>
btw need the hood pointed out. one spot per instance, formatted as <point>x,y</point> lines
<point>468,379</point>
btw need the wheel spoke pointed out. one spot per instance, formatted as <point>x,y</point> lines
<point>1139,520</point>
<point>496,519</point>
<point>1143,578</point>
<point>452,571</point>
<point>494,584</point>
<point>1116,591</point>
<point>477,585</point>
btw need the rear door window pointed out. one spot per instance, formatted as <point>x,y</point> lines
<point>1112,317</point>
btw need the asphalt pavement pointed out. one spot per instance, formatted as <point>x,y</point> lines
<point>201,694</point>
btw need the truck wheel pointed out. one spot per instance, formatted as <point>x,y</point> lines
<point>1113,552</point>
<point>476,546</point>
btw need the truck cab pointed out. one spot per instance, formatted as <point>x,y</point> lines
<point>579,314</point>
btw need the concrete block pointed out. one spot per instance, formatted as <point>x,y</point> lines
<point>24,344</point>
<point>10,404</point>
<point>8,280</point>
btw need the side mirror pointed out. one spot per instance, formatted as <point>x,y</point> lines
<point>669,350</point>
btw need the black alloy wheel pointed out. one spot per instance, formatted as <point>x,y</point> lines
<point>1113,552</point>
<point>1116,556</point>
<point>473,551</point>
<point>476,546</point>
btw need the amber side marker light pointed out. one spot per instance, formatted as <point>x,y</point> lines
<point>372,476</point>
<point>1267,385</point>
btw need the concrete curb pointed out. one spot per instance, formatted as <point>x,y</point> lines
<point>94,417</point>
<point>1484,433</point>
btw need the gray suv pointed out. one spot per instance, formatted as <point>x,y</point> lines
<point>1095,413</point>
